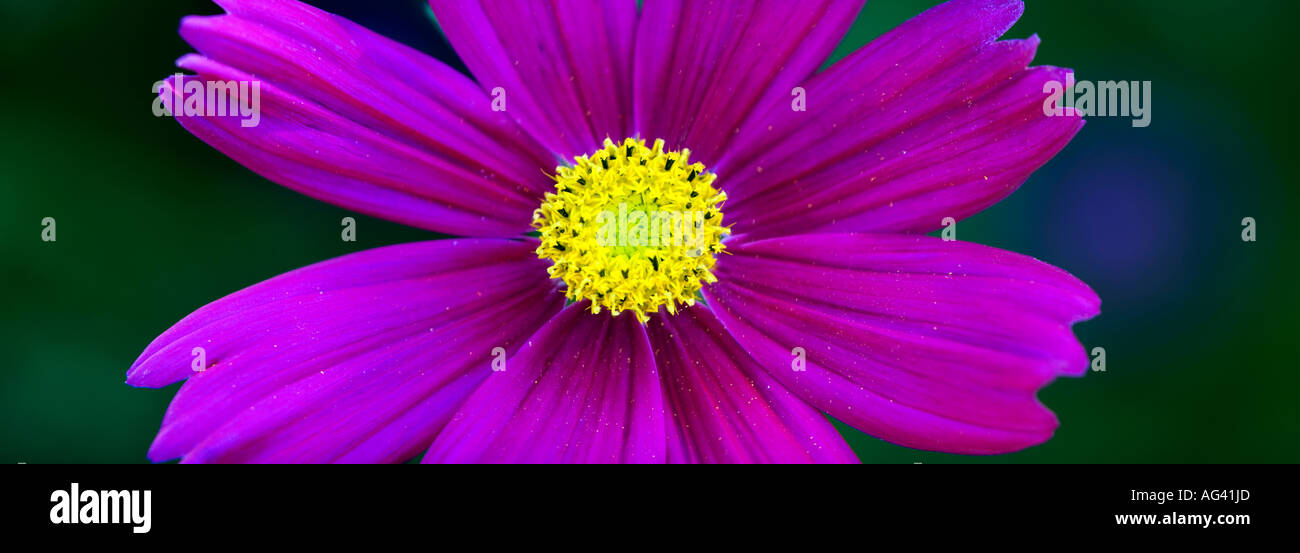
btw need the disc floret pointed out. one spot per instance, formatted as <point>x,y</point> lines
<point>632,228</point>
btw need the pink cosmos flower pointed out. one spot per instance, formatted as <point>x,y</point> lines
<point>821,294</point>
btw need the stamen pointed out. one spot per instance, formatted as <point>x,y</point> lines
<point>630,235</point>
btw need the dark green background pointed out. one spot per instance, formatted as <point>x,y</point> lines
<point>1199,327</point>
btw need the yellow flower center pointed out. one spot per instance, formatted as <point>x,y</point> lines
<point>632,228</point>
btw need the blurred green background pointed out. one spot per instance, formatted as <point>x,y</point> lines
<point>1199,327</point>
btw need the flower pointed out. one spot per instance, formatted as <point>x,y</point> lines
<point>811,288</point>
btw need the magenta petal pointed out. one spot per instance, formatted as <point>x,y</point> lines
<point>360,121</point>
<point>925,343</point>
<point>583,390</point>
<point>360,358</point>
<point>932,120</point>
<point>703,66</point>
<point>723,408</point>
<point>564,66</point>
